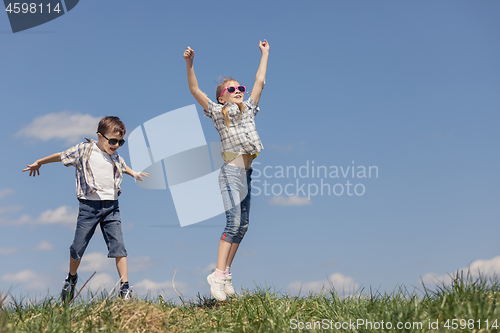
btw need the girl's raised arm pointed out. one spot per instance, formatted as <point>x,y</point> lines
<point>260,78</point>
<point>200,96</point>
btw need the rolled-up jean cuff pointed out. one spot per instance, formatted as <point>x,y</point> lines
<point>74,255</point>
<point>230,239</point>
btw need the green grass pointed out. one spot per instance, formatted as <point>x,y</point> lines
<point>474,301</point>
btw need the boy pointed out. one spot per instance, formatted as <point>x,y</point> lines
<point>99,171</point>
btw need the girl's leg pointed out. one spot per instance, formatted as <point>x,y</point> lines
<point>226,254</point>
<point>231,185</point>
<point>244,215</point>
<point>232,252</point>
<point>223,255</point>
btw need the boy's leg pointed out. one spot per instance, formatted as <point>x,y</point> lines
<point>111,228</point>
<point>121,266</point>
<point>73,265</point>
<point>88,217</point>
<point>125,291</point>
<point>69,284</point>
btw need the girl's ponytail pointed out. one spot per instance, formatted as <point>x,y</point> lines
<point>226,116</point>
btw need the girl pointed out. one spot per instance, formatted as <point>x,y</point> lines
<point>240,144</point>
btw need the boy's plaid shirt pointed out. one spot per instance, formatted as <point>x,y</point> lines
<point>241,137</point>
<point>78,156</point>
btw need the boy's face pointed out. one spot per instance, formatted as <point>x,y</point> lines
<point>104,145</point>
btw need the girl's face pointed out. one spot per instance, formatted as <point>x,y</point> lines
<point>236,97</point>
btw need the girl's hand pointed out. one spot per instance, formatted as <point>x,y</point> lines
<point>189,54</point>
<point>33,169</point>
<point>139,175</point>
<point>264,46</point>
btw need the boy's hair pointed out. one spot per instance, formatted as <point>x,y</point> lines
<point>111,124</point>
<point>218,91</point>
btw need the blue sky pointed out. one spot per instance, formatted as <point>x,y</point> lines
<point>410,88</point>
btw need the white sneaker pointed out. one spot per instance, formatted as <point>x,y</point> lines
<point>217,287</point>
<point>228,287</point>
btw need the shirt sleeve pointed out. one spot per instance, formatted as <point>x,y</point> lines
<point>123,166</point>
<point>212,108</point>
<point>252,108</point>
<point>71,156</point>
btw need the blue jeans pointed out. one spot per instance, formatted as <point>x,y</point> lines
<point>94,212</point>
<point>235,187</point>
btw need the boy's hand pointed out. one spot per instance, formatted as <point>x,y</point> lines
<point>139,175</point>
<point>264,46</point>
<point>189,54</point>
<point>33,169</point>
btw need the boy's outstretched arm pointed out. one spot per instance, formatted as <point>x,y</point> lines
<point>200,96</point>
<point>260,78</point>
<point>34,168</point>
<point>136,175</point>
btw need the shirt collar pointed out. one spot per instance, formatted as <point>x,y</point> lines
<point>114,156</point>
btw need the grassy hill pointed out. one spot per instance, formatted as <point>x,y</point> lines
<point>466,305</point>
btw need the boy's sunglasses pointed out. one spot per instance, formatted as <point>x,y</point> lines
<point>232,90</point>
<point>113,142</point>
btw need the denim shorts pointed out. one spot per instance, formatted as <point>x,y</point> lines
<point>235,187</point>
<point>94,212</point>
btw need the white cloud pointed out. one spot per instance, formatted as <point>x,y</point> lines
<point>4,251</point>
<point>165,288</point>
<point>7,209</point>
<point>140,264</point>
<point>342,284</point>
<point>6,192</point>
<point>63,215</point>
<point>100,282</point>
<point>181,245</point>
<point>244,253</point>
<point>25,219</point>
<point>65,125</point>
<point>293,200</point>
<point>28,279</point>
<point>205,269</point>
<point>487,268</point>
<point>44,246</point>
<point>97,261</point>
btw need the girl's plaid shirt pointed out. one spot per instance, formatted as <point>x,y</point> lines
<point>241,137</point>
<point>78,156</point>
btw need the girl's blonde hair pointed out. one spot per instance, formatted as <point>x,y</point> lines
<point>218,91</point>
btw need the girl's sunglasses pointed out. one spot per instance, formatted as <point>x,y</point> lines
<point>232,90</point>
<point>113,142</point>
